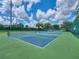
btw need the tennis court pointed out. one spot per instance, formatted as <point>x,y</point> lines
<point>39,39</point>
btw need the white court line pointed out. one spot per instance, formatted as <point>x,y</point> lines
<point>50,42</point>
<point>36,34</point>
<point>26,42</point>
<point>34,44</point>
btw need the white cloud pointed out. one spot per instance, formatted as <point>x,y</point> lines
<point>29,6</point>
<point>1,19</point>
<point>31,17</point>
<point>4,21</point>
<point>43,21</point>
<point>78,2</point>
<point>64,8</point>
<point>42,15</point>
<point>18,12</point>
<point>31,2</point>
<point>21,13</point>
<point>50,13</point>
<point>32,23</point>
<point>17,2</point>
<point>5,6</point>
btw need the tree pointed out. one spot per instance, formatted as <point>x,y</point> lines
<point>21,26</point>
<point>77,19</point>
<point>66,25</point>
<point>1,26</point>
<point>14,26</point>
<point>26,26</point>
<point>47,26</point>
<point>39,25</point>
<point>77,12</point>
<point>56,27</point>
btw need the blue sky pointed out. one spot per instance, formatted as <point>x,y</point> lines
<point>44,5</point>
<point>32,11</point>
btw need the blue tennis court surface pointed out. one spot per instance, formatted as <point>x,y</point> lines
<point>36,38</point>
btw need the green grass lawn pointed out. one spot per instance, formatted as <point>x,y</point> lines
<point>64,47</point>
<point>3,32</point>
